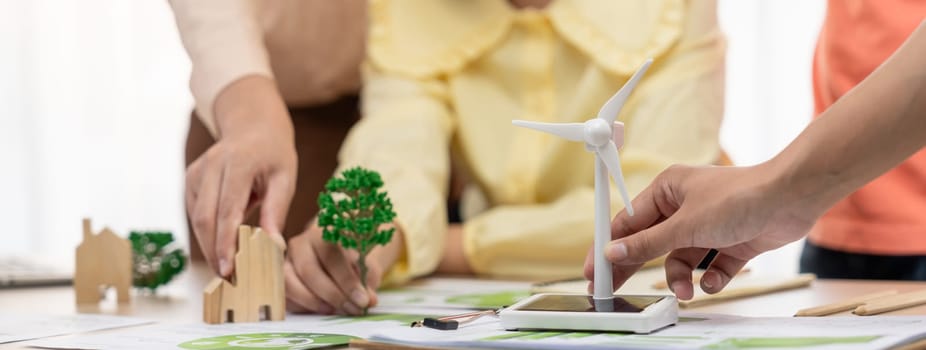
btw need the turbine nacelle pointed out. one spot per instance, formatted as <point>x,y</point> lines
<point>601,135</point>
<point>597,132</point>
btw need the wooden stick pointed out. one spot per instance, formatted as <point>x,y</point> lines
<point>897,302</point>
<point>845,305</point>
<point>799,281</point>
<point>695,279</point>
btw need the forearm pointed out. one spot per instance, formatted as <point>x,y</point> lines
<point>224,40</point>
<point>249,103</point>
<point>867,132</point>
<point>533,240</point>
<point>405,136</point>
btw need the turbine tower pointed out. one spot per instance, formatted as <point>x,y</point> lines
<point>599,135</point>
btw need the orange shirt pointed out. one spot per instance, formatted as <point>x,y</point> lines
<point>887,216</point>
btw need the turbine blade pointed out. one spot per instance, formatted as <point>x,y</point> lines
<point>611,108</point>
<point>569,131</point>
<point>608,154</point>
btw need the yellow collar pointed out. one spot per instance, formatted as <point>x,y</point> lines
<point>423,38</point>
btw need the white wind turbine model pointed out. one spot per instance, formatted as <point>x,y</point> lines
<point>599,135</point>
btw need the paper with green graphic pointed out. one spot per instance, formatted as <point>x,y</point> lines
<point>456,293</point>
<point>268,341</point>
<point>694,331</point>
<point>297,332</point>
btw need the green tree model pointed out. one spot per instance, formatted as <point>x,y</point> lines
<point>152,265</point>
<point>351,211</point>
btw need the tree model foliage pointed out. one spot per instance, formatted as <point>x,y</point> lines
<point>351,211</point>
<point>153,265</point>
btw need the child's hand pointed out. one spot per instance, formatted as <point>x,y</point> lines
<point>323,278</point>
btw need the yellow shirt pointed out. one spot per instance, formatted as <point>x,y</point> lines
<point>450,74</point>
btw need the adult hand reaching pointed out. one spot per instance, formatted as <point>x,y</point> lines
<point>688,210</point>
<point>252,163</point>
<point>744,211</point>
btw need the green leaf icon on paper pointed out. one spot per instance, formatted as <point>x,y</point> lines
<point>271,341</point>
<point>489,300</point>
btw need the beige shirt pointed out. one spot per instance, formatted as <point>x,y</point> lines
<point>312,48</point>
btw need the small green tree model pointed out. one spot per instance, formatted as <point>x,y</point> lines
<point>153,265</point>
<point>351,211</point>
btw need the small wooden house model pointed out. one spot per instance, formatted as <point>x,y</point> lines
<point>256,292</point>
<point>103,260</point>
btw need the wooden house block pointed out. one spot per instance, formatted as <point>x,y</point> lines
<point>256,291</point>
<point>103,260</point>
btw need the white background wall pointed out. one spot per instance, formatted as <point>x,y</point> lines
<point>94,105</point>
<point>769,96</point>
<point>93,110</point>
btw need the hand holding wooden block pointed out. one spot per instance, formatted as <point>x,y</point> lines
<point>256,291</point>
